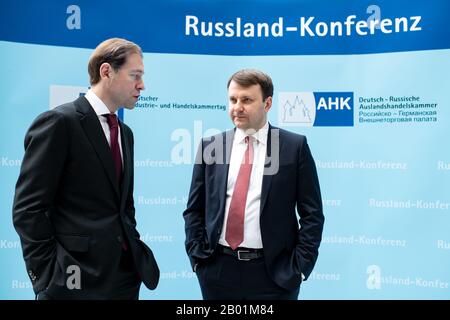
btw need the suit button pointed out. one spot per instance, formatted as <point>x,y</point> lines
<point>119,239</point>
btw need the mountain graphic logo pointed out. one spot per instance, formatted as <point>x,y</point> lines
<point>315,109</point>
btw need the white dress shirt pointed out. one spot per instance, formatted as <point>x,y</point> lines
<point>101,109</point>
<point>252,230</point>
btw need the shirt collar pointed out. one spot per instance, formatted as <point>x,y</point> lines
<point>97,104</point>
<point>260,135</point>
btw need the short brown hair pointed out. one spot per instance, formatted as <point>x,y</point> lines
<point>249,77</point>
<point>114,51</point>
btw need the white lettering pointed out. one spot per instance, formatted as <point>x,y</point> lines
<point>191,23</point>
<point>374,277</point>
<point>74,20</point>
<point>307,25</point>
<point>416,20</point>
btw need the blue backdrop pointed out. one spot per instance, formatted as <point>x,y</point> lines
<point>367,82</point>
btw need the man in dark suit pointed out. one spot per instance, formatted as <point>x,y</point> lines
<point>243,237</point>
<point>73,206</point>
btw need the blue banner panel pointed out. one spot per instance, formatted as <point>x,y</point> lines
<point>246,27</point>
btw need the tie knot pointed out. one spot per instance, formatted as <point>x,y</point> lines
<point>248,139</point>
<point>111,118</point>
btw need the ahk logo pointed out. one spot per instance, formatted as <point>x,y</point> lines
<point>318,109</point>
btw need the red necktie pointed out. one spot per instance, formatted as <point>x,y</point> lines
<point>234,234</point>
<point>113,124</point>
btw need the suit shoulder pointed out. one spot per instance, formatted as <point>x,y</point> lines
<point>48,125</point>
<point>56,114</point>
<point>66,108</point>
<point>291,136</point>
<point>58,117</point>
<point>49,116</point>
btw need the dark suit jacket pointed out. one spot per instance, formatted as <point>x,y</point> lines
<point>289,249</point>
<point>69,208</point>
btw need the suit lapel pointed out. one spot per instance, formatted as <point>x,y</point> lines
<point>94,132</point>
<point>273,156</point>
<point>222,170</point>
<point>127,169</point>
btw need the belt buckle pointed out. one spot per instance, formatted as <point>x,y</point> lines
<point>239,255</point>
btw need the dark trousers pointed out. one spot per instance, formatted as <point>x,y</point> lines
<point>127,282</point>
<point>124,286</point>
<point>224,277</point>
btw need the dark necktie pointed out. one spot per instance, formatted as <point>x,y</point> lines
<point>234,234</point>
<point>113,124</point>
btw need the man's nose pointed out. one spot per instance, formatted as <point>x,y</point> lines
<point>238,106</point>
<point>141,85</point>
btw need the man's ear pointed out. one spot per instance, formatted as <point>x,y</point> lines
<point>268,104</point>
<point>105,70</point>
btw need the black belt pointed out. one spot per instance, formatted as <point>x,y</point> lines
<point>244,254</point>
